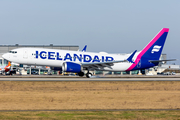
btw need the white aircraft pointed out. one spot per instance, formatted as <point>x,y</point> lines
<point>78,61</point>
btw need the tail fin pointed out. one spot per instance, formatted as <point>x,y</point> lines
<point>154,48</point>
<point>9,64</point>
<point>8,67</point>
<point>152,51</point>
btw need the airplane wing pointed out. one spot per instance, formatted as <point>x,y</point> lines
<point>100,64</point>
<point>107,63</point>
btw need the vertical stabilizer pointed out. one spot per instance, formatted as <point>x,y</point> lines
<point>152,51</point>
<point>9,64</point>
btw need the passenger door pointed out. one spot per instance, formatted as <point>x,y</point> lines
<point>25,54</point>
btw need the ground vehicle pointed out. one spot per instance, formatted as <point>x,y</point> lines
<point>11,72</point>
<point>34,73</point>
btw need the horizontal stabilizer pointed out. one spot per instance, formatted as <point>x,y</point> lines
<point>156,61</point>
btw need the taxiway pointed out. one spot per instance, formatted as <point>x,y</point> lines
<point>97,78</point>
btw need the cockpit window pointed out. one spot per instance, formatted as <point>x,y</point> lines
<point>12,51</point>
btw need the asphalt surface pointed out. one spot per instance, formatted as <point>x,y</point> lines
<point>94,78</point>
<point>56,110</point>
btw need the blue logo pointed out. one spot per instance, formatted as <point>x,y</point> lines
<point>72,57</point>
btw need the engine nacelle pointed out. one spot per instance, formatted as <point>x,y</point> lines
<point>71,67</point>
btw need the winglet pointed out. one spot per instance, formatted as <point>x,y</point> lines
<point>84,49</point>
<point>131,57</point>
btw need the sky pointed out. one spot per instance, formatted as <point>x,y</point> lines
<point>113,26</point>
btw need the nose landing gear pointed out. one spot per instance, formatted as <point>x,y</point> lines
<point>88,74</point>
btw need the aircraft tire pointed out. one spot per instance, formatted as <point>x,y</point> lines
<point>81,74</point>
<point>88,75</point>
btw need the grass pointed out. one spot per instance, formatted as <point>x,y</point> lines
<point>16,95</point>
<point>88,115</point>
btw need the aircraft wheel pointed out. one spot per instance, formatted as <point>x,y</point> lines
<point>81,74</point>
<point>88,75</point>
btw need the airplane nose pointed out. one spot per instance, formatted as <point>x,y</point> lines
<point>5,56</point>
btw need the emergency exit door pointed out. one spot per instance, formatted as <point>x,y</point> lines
<point>25,54</point>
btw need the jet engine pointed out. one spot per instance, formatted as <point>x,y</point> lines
<point>71,67</point>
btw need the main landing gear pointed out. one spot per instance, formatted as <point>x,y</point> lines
<point>88,74</point>
<point>81,74</point>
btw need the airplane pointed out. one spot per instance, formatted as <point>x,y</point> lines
<point>5,68</point>
<point>79,61</point>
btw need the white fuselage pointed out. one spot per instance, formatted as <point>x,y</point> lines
<point>55,58</point>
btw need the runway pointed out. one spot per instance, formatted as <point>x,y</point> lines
<point>81,110</point>
<point>95,78</point>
